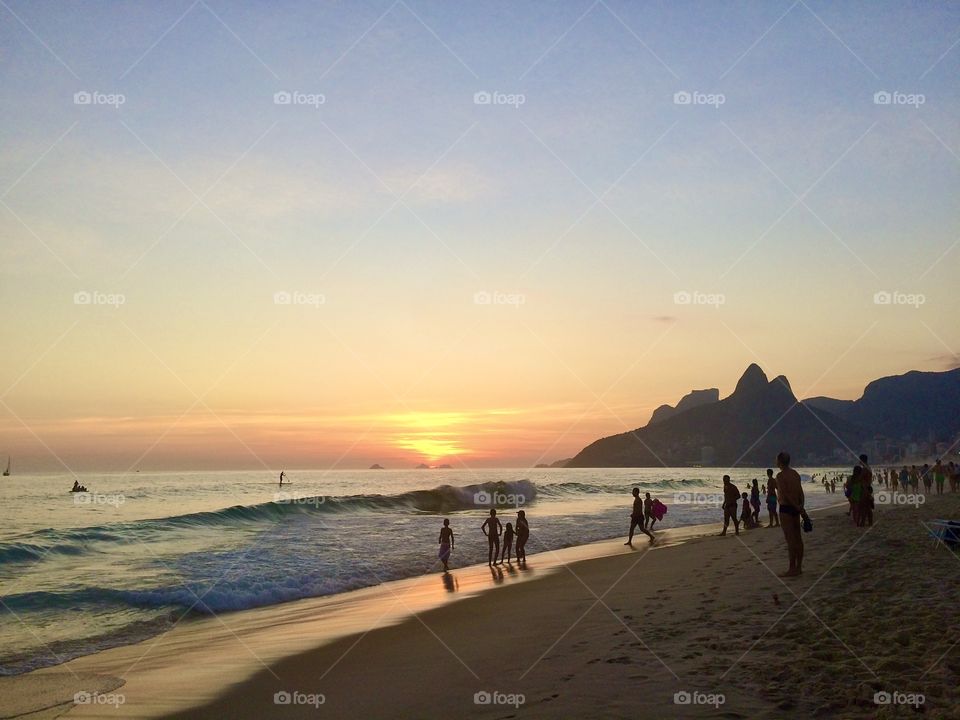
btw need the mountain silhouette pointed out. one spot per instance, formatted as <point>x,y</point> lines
<point>693,399</point>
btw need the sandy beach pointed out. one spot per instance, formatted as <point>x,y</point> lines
<point>703,619</point>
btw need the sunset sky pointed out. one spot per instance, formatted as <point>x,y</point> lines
<point>193,275</point>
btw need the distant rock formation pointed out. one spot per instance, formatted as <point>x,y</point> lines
<point>376,467</point>
<point>693,399</point>
<point>421,466</point>
<point>561,463</point>
<point>541,465</point>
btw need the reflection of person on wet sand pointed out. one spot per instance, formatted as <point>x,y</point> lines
<point>492,528</point>
<point>523,532</point>
<point>446,543</point>
<point>637,518</point>
<point>507,542</point>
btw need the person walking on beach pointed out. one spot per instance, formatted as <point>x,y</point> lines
<point>855,487</point>
<point>790,493</point>
<point>492,528</point>
<point>755,503</point>
<point>523,532</point>
<point>731,494</point>
<point>648,517</point>
<point>636,518</point>
<point>446,544</point>
<point>746,513</point>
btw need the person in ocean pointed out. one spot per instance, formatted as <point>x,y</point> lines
<point>282,473</point>
<point>446,544</point>
<point>523,532</point>
<point>755,503</point>
<point>636,518</point>
<point>772,508</point>
<point>507,542</point>
<point>492,528</point>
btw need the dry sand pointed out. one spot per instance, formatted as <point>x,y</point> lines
<point>618,636</point>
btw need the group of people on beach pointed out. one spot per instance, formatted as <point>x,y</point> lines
<point>494,531</point>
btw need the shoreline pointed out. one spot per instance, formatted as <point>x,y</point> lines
<point>186,666</point>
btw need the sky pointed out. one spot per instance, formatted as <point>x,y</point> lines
<point>264,235</point>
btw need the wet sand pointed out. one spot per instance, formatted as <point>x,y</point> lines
<point>613,636</point>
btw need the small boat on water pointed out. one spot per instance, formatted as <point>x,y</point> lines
<point>6,473</point>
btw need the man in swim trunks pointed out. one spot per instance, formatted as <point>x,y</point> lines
<point>731,496</point>
<point>493,536</point>
<point>446,543</point>
<point>939,476</point>
<point>636,518</point>
<point>790,494</point>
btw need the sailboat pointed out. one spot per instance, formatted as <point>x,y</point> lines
<point>6,473</point>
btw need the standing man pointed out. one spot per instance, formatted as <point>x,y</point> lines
<point>492,528</point>
<point>790,494</point>
<point>281,477</point>
<point>636,518</point>
<point>731,497</point>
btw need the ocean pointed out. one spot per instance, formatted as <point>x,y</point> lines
<point>141,552</point>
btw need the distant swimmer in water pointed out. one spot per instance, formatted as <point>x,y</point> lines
<point>494,526</point>
<point>446,544</point>
<point>282,473</point>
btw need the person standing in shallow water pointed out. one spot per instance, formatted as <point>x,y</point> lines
<point>790,493</point>
<point>523,532</point>
<point>731,496</point>
<point>637,517</point>
<point>492,528</point>
<point>446,544</point>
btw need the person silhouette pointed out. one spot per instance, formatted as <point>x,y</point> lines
<point>492,528</point>
<point>636,518</point>
<point>507,542</point>
<point>282,473</point>
<point>446,543</point>
<point>523,532</point>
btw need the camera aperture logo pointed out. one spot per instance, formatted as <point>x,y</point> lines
<point>87,97</point>
<point>496,97</point>
<point>694,97</point>
<point>895,97</point>
<point>295,97</point>
<point>89,498</point>
<point>895,297</point>
<point>95,297</point>
<point>287,498</point>
<point>695,297</point>
<point>495,697</point>
<point>296,297</point>
<point>296,697</point>
<point>685,697</point>
<point>914,700</point>
<point>711,500</point>
<point>886,497</point>
<point>498,499</point>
